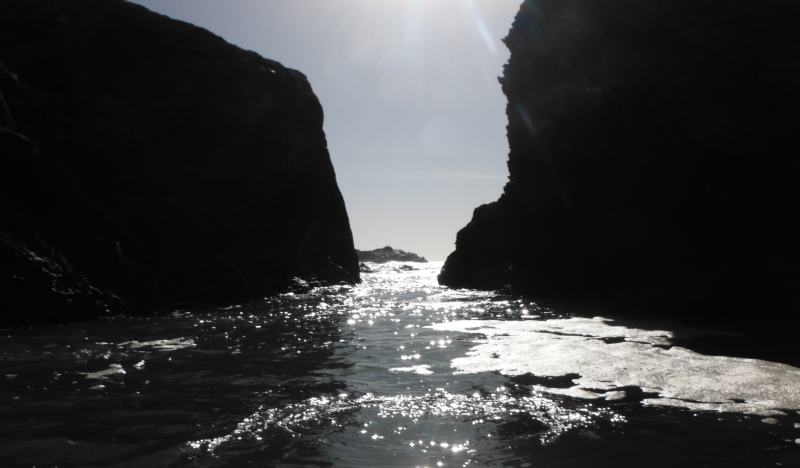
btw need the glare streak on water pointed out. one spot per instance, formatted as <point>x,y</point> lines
<point>397,372</point>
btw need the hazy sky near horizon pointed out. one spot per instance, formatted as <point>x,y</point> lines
<point>414,115</point>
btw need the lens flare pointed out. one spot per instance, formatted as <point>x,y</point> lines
<point>480,24</point>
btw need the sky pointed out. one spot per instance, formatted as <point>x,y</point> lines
<point>414,114</point>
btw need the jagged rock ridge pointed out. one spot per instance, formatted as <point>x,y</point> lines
<point>653,159</point>
<point>146,163</point>
<point>388,254</point>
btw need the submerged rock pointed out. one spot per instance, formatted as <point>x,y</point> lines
<point>147,162</point>
<point>653,160</point>
<point>388,254</point>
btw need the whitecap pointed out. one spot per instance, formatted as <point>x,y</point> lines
<point>422,370</point>
<point>160,345</point>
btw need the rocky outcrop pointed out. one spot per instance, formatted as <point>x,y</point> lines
<point>482,259</point>
<point>388,254</point>
<point>146,163</point>
<point>653,159</point>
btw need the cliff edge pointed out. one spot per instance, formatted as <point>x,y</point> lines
<point>146,163</point>
<point>653,160</point>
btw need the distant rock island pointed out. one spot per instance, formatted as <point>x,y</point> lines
<point>388,254</point>
<point>653,161</point>
<point>148,164</point>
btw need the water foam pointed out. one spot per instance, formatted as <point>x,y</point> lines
<point>610,357</point>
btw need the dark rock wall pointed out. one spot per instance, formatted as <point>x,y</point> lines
<point>654,159</point>
<point>158,163</point>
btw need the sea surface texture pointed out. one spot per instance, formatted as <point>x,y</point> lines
<point>395,372</point>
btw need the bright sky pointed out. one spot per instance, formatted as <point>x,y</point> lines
<point>414,115</point>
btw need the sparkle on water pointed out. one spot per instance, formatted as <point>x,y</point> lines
<point>635,358</point>
<point>396,372</point>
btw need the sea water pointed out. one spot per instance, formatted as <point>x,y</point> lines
<point>395,372</point>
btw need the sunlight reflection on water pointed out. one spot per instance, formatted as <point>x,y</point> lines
<point>412,417</point>
<point>641,358</point>
<point>370,376</point>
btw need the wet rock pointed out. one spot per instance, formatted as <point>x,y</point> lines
<point>163,165</point>
<point>37,277</point>
<point>301,286</point>
<point>652,162</point>
<point>388,254</point>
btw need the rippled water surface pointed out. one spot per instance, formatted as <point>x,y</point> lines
<point>396,372</point>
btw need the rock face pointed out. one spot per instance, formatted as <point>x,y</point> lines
<point>147,163</point>
<point>388,254</point>
<point>482,259</point>
<point>653,159</point>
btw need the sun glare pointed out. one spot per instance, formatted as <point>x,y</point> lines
<point>410,41</point>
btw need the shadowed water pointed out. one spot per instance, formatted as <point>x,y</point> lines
<point>396,372</point>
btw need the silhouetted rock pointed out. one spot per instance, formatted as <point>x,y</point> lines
<point>482,258</point>
<point>388,254</point>
<point>146,161</point>
<point>653,160</point>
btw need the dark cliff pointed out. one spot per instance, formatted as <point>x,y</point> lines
<point>146,163</point>
<point>653,163</point>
